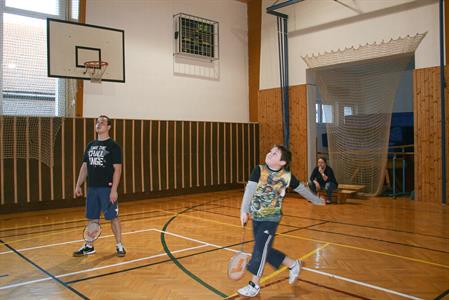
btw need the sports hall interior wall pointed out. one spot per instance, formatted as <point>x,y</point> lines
<point>153,90</point>
<point>426,96</point>
<point>160,158</point>
<point>427,128</point>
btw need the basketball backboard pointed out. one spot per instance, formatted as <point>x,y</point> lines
<point>71,44</point>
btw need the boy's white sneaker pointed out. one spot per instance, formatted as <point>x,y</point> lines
<point>250,290</point>
<point>294,271</point>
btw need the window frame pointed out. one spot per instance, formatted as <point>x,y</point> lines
<point>64,12</point>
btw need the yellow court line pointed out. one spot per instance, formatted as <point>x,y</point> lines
<point>331,243</point>
<point>202,219</point>
<point>369,250</point>
<point>279,271</point>
<point>305,256</point>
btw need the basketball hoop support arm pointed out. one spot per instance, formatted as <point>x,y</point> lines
<point>282,22</point>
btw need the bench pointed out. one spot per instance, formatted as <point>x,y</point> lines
<point>344,191</point>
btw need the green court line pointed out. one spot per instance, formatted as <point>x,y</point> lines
<point>178,264</point>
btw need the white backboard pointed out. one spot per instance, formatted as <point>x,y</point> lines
<point>71,44</point>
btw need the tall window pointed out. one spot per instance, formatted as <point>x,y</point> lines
<point>347,111</point>
<point>26,89</point>
<point>324,113</point>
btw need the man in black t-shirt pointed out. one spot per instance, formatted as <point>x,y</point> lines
<point>323,178</point>
<point>102,165</point>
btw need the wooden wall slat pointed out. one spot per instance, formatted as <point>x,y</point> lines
<point>170,162</point>
<point>155,153</point>
<point>138,156</point>
<point>163,157</point>
<point>80,145</point>
<point>202,153</point>
<point>68,158</point>
<point>194,154</point>
<point>118,132</point>
<point>158,157</point>
<point>57,162</point>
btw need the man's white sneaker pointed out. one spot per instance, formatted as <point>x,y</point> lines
<point>250,290</point>
<point>294,271</point>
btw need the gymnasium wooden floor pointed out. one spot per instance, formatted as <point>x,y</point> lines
<point>178,248</point>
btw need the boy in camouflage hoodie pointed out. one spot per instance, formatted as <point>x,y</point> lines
<point>263,198</point>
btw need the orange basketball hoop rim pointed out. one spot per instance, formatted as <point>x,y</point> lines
<point>95,69</point>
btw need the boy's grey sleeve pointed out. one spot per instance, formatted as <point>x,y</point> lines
<point>247,196</point>
<point>306,193</point>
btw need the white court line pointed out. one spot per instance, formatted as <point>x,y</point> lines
<point>199,241</point>
<point>308,269</point>
<point>97,268</point>
<point>74,241</point>
<point>362,283</point>
<point>204,244</point>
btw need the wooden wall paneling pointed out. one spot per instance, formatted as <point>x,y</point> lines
<point>157,156</point>
<point>201,153</point>
<point>128,157</point>
<point>198,154</point>
<point>44,169</point>
<point>34,162</point>
<point>238,158</point>
<point>416,123</point>
<point>155,153</point>
<point>20,163</point>
<point>428,122</point>
<point>447,103</point>
<point>69,133</point>
<point>298,130</point>
<point>142,164</point>
<point>213,153</point>
<point>178,155</point>
<point>270,120</point>
<point>270,125</point>
<point>118,134</point>
<point>208,151</point>
<point>163,157</point>
<point>57,159</point>
<point>80,146</point>
<point>138,156</point>
<point>246,151</point>
<point>170,157</point>
<point>229,150</point>
<point>146,141</point>
<point>220,157</point>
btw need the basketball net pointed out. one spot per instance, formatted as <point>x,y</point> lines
<point>95,70</point>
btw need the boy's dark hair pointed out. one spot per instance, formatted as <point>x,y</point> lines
<point>286,155</point>
<point>107,118</point>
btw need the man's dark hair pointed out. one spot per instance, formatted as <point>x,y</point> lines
<point>107,118</point>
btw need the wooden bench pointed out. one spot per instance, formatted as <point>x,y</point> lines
<point>344,191</point>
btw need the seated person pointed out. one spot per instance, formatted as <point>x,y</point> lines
<point>323,178</point>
